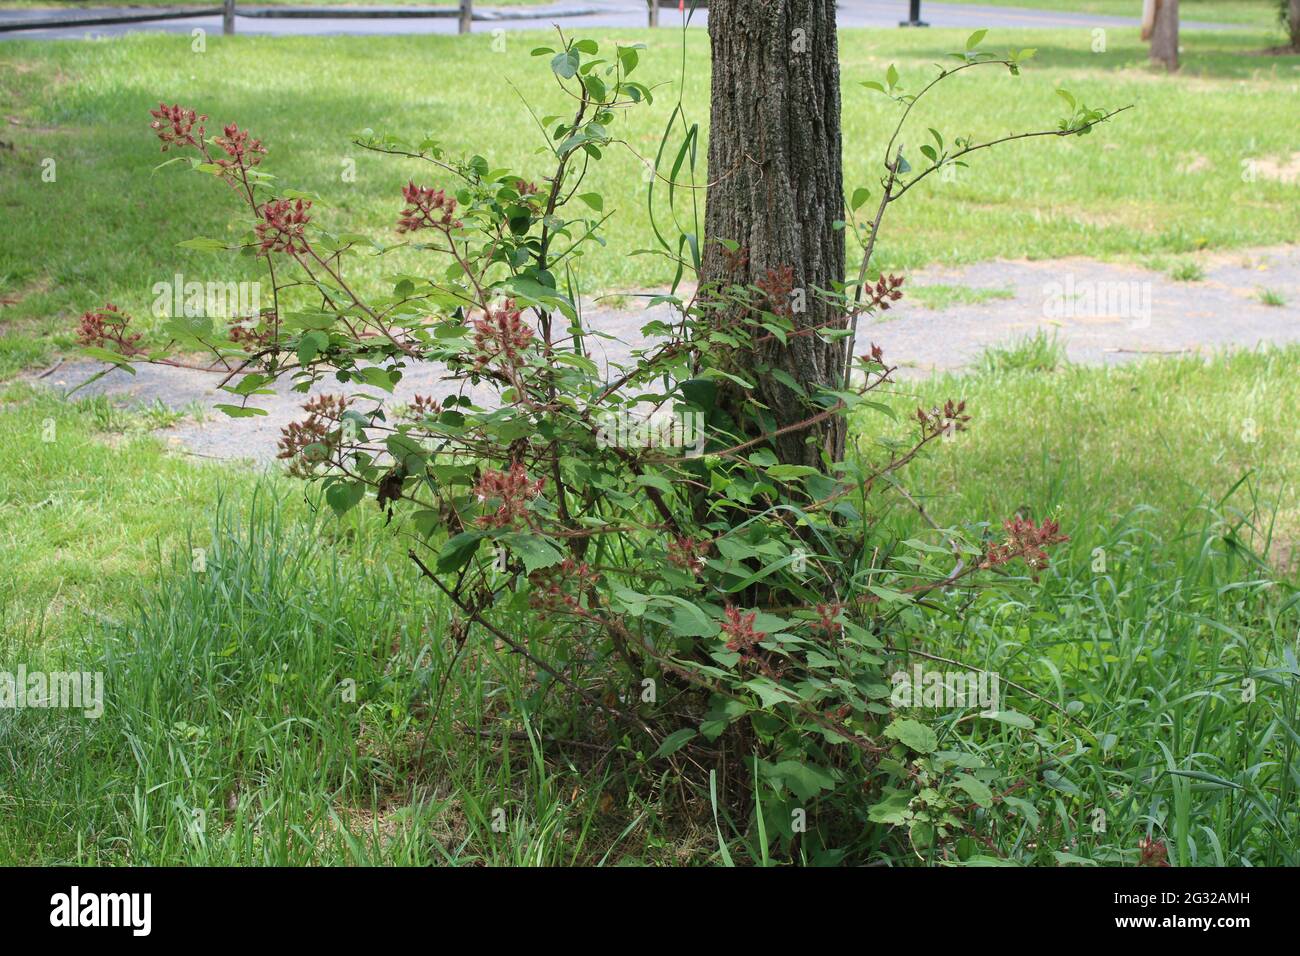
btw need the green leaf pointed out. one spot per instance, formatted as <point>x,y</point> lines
<point>978,792</point>
<point>974,39</point>
<point>311,345</point>
<point>655,481</point>
<point>770,692</point>
<point>789,472</point>
<point>458,551</point>
<point>565,64</point>
<point>804,779</point>
<point>914,734</point>
<point>104,355</point>
<point>535,550</point>
<point>893,809</point>
<point>595,200</point>
<point>674,742</point>
<point>1014,718</point>
<point>891,76</point>
<point>203,244</point>
<point>240,411</point>
<point>860,195</point>
<point>344,495</point>
<point>627,58</point>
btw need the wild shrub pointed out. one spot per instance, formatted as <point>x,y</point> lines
<point>703,602</point>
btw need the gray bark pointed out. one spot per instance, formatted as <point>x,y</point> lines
<point>1164,35</point>
<point>1293,23</point>
<point>228,17</point>
<point>776,188</point>
<point>466,15</point>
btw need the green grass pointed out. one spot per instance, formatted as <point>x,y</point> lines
<point>944,296</point>
<point>1255,13</point>
<point>79,529</point>
<point>228,689</point>
<point>107,228</point>
<point>1188,270</point>
<point>1040,352</point>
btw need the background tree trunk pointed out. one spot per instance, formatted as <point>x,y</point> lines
<point>1293,23</point>
<point>228,17</point>
<point>776,187</point>
<point>652,7</point>
<point>1164,35</point>
<point>466,21</point>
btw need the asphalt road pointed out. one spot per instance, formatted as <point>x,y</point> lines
<point>601,13</point>
<point>1103,313</point>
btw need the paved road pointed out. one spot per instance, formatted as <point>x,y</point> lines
<point>607,13</point>
<point>1104,313</point>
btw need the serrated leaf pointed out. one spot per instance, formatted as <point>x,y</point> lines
<point>913,734</point>
<point>458,551</point>
<point>535,550</point>
<point>977,791</point>
<point>1014,718</point>
<point>893,809</point>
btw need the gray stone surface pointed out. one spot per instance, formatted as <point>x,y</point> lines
<point>1119,313</point>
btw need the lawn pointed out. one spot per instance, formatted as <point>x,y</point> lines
<point>1162,179</point>
<point>1255,13</point>
<point>1146,462</point>
<point>274,694</point>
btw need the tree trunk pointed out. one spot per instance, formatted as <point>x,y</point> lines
<point>228,17</point>
<point>776,188</point>
<point>466,16</point>
<point>652,6</point>
<point>1164,34</point>
<point>1293,23</point>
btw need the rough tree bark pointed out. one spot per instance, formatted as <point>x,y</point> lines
<point>1293,23</point>
<point>1162,32</point>
<point>776,188</point>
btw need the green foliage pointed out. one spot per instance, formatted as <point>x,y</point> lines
<point>693,591</point>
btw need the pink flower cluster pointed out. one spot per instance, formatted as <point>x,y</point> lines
<point>175,126</point>
<point>502,332</point>
<point>1025,540</point>
<point>739,630</point>
<point>511,490</point>
<point>107,326</point>
<point>283,226</point>
<point>244,152</point>
<point>426,208</point>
